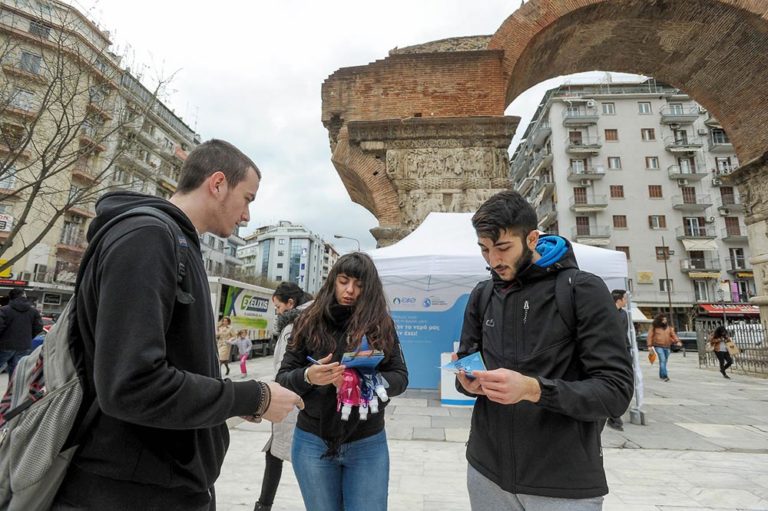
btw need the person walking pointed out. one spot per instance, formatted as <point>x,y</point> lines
<point>224,334</point>
<point>146,336</point>
<point>342,464</point>
<point>661,337</point>
<point>289,300</point>
<point>19,324</point>
<point>620,300</point>
<point>549,387</point>
<point>244,346</point>
<point>719,340</point>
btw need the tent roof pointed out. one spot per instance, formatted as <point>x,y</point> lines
<point>446,244</point>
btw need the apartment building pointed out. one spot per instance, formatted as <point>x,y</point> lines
<point>636,167</point>
<point>288,252</point>
<point>106,129</point>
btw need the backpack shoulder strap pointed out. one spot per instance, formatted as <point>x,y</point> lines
<point>485,296</point>
<point>564,297</point>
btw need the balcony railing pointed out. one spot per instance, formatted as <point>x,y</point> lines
<point>720,145</point>
<point>691,172</point>
<point>701,232</point>
<point>682,144</point>
<point>700,264</point>
<point>592,203</point>
<point>581,117</point>
<point>734,234</point>
<point>579,173</point>
<point>737,264</point>
<point>678,115</point>
<point>691,203</point>
<point>541,133</point>
<point>591,231</point>
<point>730,204</point>
<point>542,160</point>
<point>588,145</point>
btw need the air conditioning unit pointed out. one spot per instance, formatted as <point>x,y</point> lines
<point>702,131</point>
<point>591,103</point>
<point>709,220</point>
<point>585,182</point>
<point>716,181</point>
<point>702,110</point>
<point>724,211</point>
<point>682,182</point>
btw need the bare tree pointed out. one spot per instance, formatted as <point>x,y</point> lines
<point>66,118</point>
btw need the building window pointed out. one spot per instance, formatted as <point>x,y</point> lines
<point>654,192</point>
<point>280,253</point>
<point>578,166</point>
<point>657,221</point>
<point>280,265</point>
<point>278,278</point>
<point>624,249</point>
<point>701,290</point>
<point>8,178</point>
<point>644,108</point>
<point>38,29</point>
<point>281,241</point>
<point>614,162</point>
<point>666,285</point>
<point>662,253</point>
<point>620,221</point>
<point>579,195</point>
<point>611,135</point>
<point>609,108</point>
<point>630,285</point>
<point>23,99</point>
<point>724,165</point>
<point>648,134</point>
<point>30,62</point>
<point>736,260</point>
<point>651,162</point>
<point>732,227</point>
<point>719,136</point>
<point>617,191</point>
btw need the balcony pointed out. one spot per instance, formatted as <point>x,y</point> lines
<point>586,145</point>
<point>730,204</point>
<point>90,138</point>
<point>706,232</point>
<point>168,181</point>
<point>98,109</point>
<point>591,234</point>
<point>148,139</point>
<point>586,204</point>
<point>682,145</point>
<point>734,235</point>
<point>542,190</point>
<point>130,159</point>
<point>74,245</point>
<point>83,210</point>
<point>687,172</point>
<point>83,173</point>
<point>578,174</point>
<point>580,117</point>
<point>678,115</point>
<point>720,145</point>
<point>706,264</point>
<point>546,213</point>
<point>525,185</point>
<point>20,71</point>
<point>541,161</point>
<point>737,265</point>
<point>694,203</point>
<point>540,134</point>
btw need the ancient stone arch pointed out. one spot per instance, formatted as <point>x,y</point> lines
<point>424,128</point>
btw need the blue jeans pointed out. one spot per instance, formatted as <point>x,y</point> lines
<point>663,354</point>
<point>356,480</point>
<point>10,358</point>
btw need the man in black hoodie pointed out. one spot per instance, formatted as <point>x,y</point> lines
<point>547,391</point>
<point>150,360</point>
<point>19,323</point>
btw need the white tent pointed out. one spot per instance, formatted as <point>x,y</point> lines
<point>428,275</point>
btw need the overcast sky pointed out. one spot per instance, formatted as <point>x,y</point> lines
<point>250,73</point>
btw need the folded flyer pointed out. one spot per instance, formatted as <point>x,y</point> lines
<point>362,358</point>
<point>473,362</point>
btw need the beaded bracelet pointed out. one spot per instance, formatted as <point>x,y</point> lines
<point>266,399</point>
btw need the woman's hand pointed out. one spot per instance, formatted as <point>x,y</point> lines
<point>326,372</point>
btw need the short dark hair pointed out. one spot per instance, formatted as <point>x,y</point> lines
<point>212,156</point>
<point>505,211</point>
<point>618,294</point>
<point>15,293</point>
<point>291,291</point>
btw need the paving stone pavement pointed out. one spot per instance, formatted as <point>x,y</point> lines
<point>704,447</point>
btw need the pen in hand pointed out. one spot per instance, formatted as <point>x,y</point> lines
<point>313,360</point>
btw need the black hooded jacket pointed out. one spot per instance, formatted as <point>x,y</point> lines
<point>19,323</point>
<point>550,448</point>
<point>150,360</point>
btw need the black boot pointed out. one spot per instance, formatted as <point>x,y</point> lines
<point>261,507</point>
<point>722,371</point>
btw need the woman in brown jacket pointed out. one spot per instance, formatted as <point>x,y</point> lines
<point>224,333</point>
<point>660,338</point>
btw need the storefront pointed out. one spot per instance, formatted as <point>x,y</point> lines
<point>730,311</point>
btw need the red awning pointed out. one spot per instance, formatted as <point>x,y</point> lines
<point>717,309</point>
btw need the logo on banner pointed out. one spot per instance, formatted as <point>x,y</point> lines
<point>404,300</point>
<point>254,304</point>
<point>427,303</point>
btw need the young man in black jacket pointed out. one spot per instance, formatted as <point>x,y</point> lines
<point>19,323</point>
<point>149,356</point>
<point>548,389</point>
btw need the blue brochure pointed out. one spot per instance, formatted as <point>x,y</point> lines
<point>473,362</point>
<point>362,359</point>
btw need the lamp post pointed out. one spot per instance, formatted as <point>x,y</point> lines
<point>339,236</point>
<point>721,299</point>
<point>667,253</point>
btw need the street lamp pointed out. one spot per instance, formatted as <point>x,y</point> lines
<point>339,236</point>
<point>721,298</point>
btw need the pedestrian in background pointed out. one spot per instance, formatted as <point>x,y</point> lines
<point>342,464</point>
<point>224,334</point>
<point>620,300</point>
<point>19,324</point>
<point>719,340</point>
<point>244,346</point>
<point>289,300</point>
<point>660,338</point>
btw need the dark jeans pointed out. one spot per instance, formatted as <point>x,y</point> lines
<point>11,358</point>
<point>82,490</point>
<point>273,471</point>
<point>725,360</point>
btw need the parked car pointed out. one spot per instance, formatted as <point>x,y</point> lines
<point>688,339</point>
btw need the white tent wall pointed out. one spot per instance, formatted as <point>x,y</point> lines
<point>429,274</point>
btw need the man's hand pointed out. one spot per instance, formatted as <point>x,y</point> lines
<point>507,387</point>
<point>326,372</point>
<point>471,385</point>
<point>282,403</point>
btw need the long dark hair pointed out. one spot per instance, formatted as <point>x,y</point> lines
<point>291,291</point>
<point>720,333</point>
<point>370,315</point>
<point>657,321</point>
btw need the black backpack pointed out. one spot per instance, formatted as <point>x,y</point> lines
<point>45,413</point>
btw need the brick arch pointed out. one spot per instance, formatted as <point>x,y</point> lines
<point>715,50</point>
